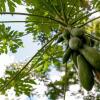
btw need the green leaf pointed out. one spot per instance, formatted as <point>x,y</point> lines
<point>11,5</point>
<point>10,39</point>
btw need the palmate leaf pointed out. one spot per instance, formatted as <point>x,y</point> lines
<point>2,5</point>
<point>10,3</point>
<point>42,50</point>
<point>9,39</point>
<point>96,4</point>
<point>51,57</point>
<point>40,25</point>
<point>22,84</point>
<point>63,11</point>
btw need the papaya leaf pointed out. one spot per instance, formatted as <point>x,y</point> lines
<point>21,84</point>
<point>9,39</point>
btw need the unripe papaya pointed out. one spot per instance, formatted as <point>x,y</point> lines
<point>85,73</point>
<point>92,56</point>
<point>74,58</point>
<point>67,55</point>
<point>75,43</point>
<point>77,32</point>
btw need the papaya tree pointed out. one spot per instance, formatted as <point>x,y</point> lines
<point>63,29</point>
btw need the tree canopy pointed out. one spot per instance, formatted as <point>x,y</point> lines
<point>47,20</point>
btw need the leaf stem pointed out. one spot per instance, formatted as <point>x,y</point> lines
<point>89,21</point>
<point>63,10</point>
<point>70,11</point>
<point>39,16</point>
<point>84,17</point>
<point>34,65</point>
<point>56,10</point>
<point>76,13</point>
<point>22,22</point>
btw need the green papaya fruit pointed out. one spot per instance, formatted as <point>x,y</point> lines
<point>75,43</point>
<point>92,56</point>
<point>77,32</point>
<point>67,55</point>
<point>74,58</point>
<point>85,73</point>
<point>60,39</point>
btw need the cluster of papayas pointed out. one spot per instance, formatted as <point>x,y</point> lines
<point>85,57</point>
